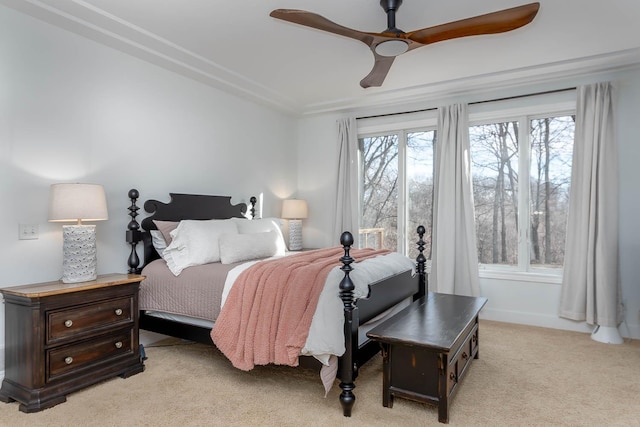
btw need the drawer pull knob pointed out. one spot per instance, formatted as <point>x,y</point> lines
<point>465,356</point>
<point>119,344</point>
<point>68,360</point>
<point>118,312</point>
<point>452,376</point>
<point>68,323</point>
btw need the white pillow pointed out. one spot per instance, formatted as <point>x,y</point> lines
<point>196,242</point>
<point>245,247</point>
<point>158,242</point>
<point>263,225</point>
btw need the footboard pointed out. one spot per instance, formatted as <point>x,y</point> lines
<point>388,293</point>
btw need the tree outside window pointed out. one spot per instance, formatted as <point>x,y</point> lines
<point>518,224</point>
<point>521,170</point>
<point>397,190</point>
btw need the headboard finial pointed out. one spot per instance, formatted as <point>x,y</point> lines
<point>253,202</point>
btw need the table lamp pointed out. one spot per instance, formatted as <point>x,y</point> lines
<point>78,202</point>
<point>294,210</point>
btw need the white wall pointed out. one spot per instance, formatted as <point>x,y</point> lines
<point>512,301</point>
<point>72,110</point>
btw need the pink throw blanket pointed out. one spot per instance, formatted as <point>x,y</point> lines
<point>268,312</point>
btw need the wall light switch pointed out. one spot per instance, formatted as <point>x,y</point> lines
<point>27,231</point>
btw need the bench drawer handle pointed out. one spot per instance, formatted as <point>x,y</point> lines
<point>118,312</point>
<point>68,360</point>
<point>119,344</point>
<point>68,323</point>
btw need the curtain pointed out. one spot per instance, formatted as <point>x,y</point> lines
<point>454,268</point>
<point>590,285</point>
<point>347,199</point>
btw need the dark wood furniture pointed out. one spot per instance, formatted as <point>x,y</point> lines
<point>61,337</point>
<point>427,349</point>
<point>383,295</point>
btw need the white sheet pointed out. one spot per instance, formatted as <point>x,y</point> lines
<point>326,336</point>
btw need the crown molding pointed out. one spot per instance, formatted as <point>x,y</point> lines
<point>575,70</point>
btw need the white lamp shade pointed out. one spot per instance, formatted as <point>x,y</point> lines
<point>77,202</point>
<point>294,209</point>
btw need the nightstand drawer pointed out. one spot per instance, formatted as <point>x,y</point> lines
<point>66,359</point>
<point>72,322</point>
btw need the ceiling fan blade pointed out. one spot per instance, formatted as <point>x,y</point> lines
<point>379,72</point>
<point>316,21</point>
<point>490,23</point>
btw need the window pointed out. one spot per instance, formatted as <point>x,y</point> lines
<point>521,152</point>
<point>396,189</point>
<point>521,179</point>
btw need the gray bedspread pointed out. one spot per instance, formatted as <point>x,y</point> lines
<point>196,292</point>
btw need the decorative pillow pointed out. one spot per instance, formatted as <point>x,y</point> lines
<point>196,242</point>
<point>245,247</point>
<point>166,227</point>
<point>158,242</point>
<point>263,225</point>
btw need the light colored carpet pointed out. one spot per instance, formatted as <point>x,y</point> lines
<point>525,376</point>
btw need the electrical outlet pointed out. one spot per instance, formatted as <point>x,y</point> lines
<point>27,231</point>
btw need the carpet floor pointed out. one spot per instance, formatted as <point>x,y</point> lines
<point>525,376</point>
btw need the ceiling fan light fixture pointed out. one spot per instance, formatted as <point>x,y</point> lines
<point>392,48</point>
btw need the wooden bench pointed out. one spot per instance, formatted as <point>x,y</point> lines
<point>427,348</point>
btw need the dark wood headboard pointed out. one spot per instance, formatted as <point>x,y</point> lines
<point>179,207</point>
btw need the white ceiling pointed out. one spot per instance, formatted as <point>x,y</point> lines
<point>234,44</point>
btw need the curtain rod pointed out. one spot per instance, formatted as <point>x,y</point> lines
<point>506,98</point>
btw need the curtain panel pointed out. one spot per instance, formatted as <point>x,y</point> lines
<point>347,198</point>
<point>590,285</point>
<point>454,268</point>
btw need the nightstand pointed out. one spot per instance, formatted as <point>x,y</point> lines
<point>62,337</point>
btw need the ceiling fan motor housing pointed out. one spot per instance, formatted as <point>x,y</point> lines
<point>390,7</point>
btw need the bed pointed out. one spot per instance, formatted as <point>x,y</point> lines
<point>382,297</point>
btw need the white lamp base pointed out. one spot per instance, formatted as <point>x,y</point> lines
<point>607,335</point>
<point>79,262</point>
<point>295,235</point>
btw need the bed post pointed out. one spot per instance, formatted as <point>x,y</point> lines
<point>420,265</point>
<point>133,232</point>
<point>253,201</point>
<point>348,369</point>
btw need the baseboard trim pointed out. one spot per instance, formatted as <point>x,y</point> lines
<point>550,321</point>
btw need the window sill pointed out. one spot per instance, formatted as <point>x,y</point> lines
<point>521,276</point>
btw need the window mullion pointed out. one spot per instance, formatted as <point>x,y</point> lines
<point>402,192</point>
<point>524,246</point>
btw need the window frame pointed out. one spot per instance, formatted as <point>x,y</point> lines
<point>425,121</point>
<point>552,103</point>
<point>523,110</point>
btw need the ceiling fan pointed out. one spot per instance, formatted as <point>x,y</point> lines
<point>393,42</point>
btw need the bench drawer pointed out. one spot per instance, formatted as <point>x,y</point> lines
<point>461,359</point>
